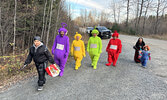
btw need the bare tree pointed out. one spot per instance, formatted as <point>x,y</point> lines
<point>14,38</point>
<point>50,19</point>
<point>1,34</point>
<point>127,18</point>
<point>44,19</point>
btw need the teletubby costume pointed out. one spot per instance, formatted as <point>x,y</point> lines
<point>94,47</point>
<point>60,48</point>
<point>145,55</point>
<point>78,50</point>
<point>114,49</point>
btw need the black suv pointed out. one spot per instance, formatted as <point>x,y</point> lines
<point>103,32</point>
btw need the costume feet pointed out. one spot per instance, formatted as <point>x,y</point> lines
<point>61,74</point>
<point>94,67</point>
<point>76,68</point>
<point>40,88</point>
<point>108,64</point>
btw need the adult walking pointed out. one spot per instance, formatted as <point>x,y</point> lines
<point>60,48</point>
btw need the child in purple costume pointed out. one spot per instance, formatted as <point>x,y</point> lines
<point>60,48</point>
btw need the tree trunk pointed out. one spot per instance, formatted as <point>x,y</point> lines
<point>50,20</point>
<point>127,19</point>
<point>14,28</point>
<point>1,34</point>
<point>58,12</point>
<point>44,19</point>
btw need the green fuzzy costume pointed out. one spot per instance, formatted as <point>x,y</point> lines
<point>94,48</point>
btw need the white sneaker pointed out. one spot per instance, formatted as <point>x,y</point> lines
<point>40,88</point>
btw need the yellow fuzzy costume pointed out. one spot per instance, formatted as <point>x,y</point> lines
<point>78,50</point>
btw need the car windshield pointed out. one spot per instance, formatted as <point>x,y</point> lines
<point>102,28</point>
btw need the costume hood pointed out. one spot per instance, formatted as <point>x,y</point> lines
<point>63,28</point>
<point>116,34</point>
<point>77,34</point>
<point>95,31</point>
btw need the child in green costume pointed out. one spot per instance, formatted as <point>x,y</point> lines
<point>94,47</point>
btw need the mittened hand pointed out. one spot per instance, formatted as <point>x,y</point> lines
<point>149,58</point>
<point>65,55</point>
<point>84,55</point>
<point>52,51</point>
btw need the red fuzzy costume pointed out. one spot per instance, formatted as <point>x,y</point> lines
<point>114,48</point>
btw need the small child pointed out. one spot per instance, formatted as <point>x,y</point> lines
<point>41,55</point>
<point>145,56</point>
<point>78,50</point>
<point>94,47</point>
<point>114,49</point>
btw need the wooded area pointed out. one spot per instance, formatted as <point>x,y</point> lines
<point>21,20</point>
<point>135,17</point>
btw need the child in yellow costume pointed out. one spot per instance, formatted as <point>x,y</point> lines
<point>94,47</point>
<point>78,50</point>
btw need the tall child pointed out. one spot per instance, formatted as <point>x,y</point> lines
<point>78,50</point>
<point>60,48</point>
<point>41,55</point>
<point>114,49</point>
<point>94,47</point>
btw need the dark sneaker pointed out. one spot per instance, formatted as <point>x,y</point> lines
<point>40,88</point>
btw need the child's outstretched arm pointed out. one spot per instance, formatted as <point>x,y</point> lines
<point>100,46</point>
<point>149,56</point>
<point>54,45</point>
<point>108,46</point>
<point>29,58</point>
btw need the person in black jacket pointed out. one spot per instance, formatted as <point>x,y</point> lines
<point>41,55</point>
<point>139,46</point>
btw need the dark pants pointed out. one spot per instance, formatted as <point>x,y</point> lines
<point>41,73</point>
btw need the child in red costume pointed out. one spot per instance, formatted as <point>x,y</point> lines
<point>114,49</point>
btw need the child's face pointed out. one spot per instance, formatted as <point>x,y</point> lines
<point>114,37</point>
<point>94,35</point>
<point>37,43</point>
<point>62,33</point>
<point>77,37</point>
<point>145,48</point>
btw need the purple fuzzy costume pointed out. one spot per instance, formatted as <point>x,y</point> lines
<point>60,48</point>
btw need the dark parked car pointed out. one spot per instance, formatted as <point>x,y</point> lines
<point>103,32</point>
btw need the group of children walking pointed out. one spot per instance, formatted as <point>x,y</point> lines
<point>60,49</point>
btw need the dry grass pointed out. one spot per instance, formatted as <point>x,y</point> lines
<point>161,37</point>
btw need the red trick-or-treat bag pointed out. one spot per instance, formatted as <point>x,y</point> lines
<point>53,70</point>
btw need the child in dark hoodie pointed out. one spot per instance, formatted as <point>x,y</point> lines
<point>41,55</point>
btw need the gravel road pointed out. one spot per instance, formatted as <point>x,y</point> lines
<point>127,81</point>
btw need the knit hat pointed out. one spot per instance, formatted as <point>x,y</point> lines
<point>37,38</point>
<point>95,31</point>
<point>77,34</point>
<point>63,28</point>
<point>116,34</point>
